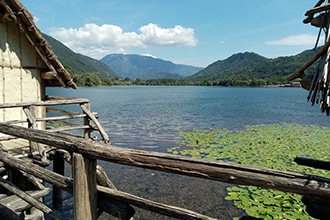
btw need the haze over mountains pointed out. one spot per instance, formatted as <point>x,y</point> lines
<point>247,65</point>
<point>146,67</point>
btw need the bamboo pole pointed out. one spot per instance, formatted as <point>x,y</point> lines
<point>224,172</point>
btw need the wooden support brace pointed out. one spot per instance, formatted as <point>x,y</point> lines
<point>96,122</point>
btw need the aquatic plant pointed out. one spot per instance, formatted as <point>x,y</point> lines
<point>272,146</point>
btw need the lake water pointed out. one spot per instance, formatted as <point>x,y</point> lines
<point>150,117</point>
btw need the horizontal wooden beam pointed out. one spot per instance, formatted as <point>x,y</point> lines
<point>45,103</point>
<point>224,172</point>
<point>317,9</point>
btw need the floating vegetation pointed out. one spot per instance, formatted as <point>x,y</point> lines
<point>271,146</point>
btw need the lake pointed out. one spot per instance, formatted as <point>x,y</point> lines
<point>150,118</point>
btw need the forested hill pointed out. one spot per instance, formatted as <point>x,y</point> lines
<point>78,63</point>
<point>241,68</point>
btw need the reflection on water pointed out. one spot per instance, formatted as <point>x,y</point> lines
<point>150,118</point>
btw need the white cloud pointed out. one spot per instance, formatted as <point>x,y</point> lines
<point>149,55</point>
<point>295,40</point>
<point>96,41</point>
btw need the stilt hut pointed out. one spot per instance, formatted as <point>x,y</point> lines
<point>28,66</point>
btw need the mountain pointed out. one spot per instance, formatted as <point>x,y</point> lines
<point>249,65</point>
<point>146,67</point>
<point>78,62</point>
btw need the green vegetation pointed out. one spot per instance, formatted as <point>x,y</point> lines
<point>271,146</point>
<point>242,69</point>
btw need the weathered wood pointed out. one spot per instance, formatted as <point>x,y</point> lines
<point>34,202</point>
<point>160,208</point>
<point>218,171</point>
<point>33,124</point>
<point>35,170</point>
<point>310,17</point>
<point>16,204</point>
<point>49,75</point>
<point>103,179</point>
<point>300,71</point>
<point>68,128</point>
<point>61,111</point>
<point>114,207</point>
<point>317,9</point>
<point>312,163</point>
<point>35,181</point>
<point>87,132</point>
<point>45,103</point>
<point>104,201</point>
<point>58,118</point>
<point>84,187</point>
<point>96,122</point>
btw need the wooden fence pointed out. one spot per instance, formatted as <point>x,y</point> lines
<point>93,191</point>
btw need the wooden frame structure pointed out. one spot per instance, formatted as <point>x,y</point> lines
<point>29,142</point>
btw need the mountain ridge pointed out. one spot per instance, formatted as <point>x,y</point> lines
<point>146,67</point>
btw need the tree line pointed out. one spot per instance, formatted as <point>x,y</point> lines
<point>93,79</point>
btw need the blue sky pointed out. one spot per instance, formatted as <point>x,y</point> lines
<point>194,32</point>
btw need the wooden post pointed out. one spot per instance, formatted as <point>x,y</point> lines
<point>57,193</point>
<point>86,134</point>
<point>84,188</point>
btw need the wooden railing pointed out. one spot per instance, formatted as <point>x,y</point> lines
<point>63,119</point>
<point>91,189</point>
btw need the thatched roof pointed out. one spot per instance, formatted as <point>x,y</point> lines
<point>17,13</point>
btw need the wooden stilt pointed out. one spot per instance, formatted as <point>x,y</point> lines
<point>84,187</point>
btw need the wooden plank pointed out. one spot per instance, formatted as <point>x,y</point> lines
<point>84,187</point>
<point>45,103</point>
<point>58,118</point>
<point>28,198</point>
<point>68,128</point>
<point>16,204</point>
<point>219,171</point>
